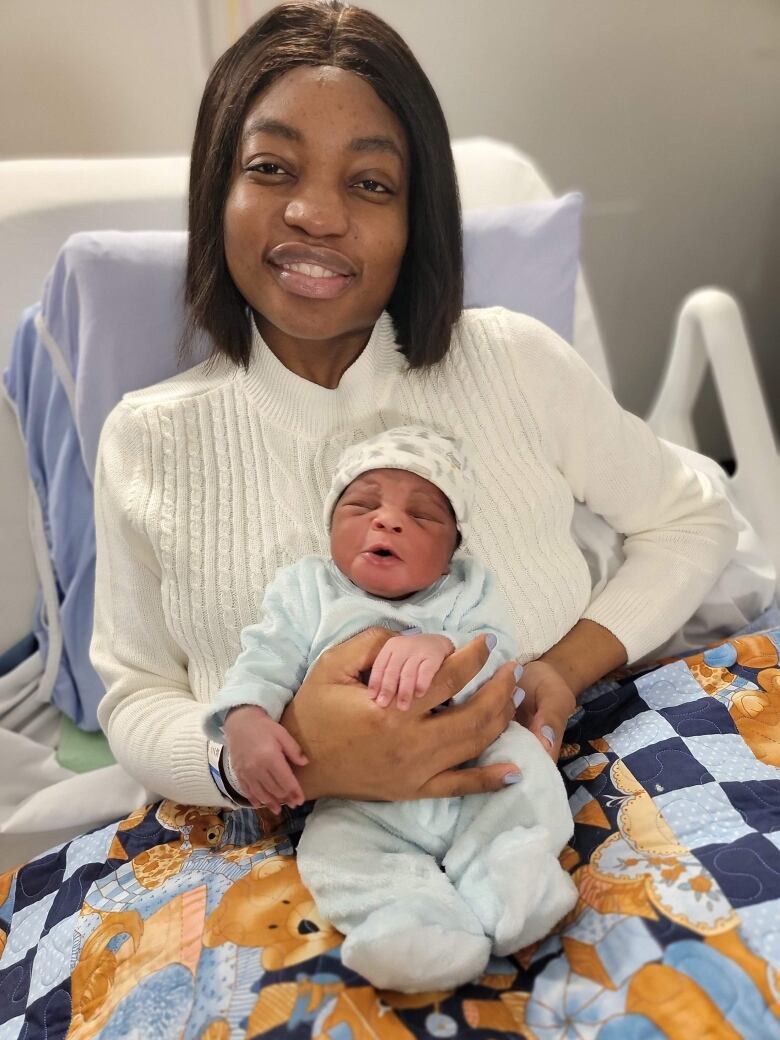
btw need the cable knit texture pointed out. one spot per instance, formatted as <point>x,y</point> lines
<point>209,482</point>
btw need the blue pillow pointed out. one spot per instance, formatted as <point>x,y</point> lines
<point>525,258</point>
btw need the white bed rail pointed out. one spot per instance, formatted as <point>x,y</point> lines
<point>710,331</point>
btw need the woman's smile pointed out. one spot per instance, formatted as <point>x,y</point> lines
<point>318,273</point>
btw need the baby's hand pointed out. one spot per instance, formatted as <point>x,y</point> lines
<point>405,667</point>
<point>260,753</point>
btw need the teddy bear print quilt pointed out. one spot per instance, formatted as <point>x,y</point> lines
<point>188,923</point>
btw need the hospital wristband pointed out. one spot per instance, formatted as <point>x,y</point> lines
<point>222,775</point>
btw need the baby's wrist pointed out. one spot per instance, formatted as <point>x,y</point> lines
<point>229,775</point>
<point>439,639</point>
<point>237,716</point>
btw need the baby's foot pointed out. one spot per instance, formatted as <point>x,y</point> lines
<point>395,948</point>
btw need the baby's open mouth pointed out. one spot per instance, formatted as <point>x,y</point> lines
<point>381,552</point>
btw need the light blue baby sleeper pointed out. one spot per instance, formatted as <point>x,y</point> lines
<point>423,890</point>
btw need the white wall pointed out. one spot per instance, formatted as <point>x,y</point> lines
<point>666,115</point>
<point>98,77</point>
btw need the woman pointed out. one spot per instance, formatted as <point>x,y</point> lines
<point>325,262</point>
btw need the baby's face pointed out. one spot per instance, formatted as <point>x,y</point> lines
<point>392,533</point>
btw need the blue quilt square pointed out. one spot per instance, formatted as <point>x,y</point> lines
<point>699,718</point>
<point>15,985</point>
<point>40,877</point>
<point>73,891</point>
<point>666,766</point>
<point>605,706</point>
<point>747,870</point>
<point>50,1015</point>
<point>758,803</point>
<point>671,685</point>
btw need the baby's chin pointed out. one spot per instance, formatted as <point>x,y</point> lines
<point>387,590</point>
<point>390,586</point>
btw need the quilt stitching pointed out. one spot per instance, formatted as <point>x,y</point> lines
<point>178,921</point>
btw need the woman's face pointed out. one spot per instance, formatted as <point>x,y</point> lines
<point>316,216</point>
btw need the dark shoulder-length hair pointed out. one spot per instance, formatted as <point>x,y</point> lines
<point>428,296</point>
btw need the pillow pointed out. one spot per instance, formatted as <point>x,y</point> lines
<point>525,258</point>
<point>112,311</point>
<point>112,317</point>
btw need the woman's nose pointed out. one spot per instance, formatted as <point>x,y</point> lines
<point>318,211</point>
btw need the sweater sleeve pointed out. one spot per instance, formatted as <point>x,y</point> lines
<point>151,718</point>
<point>679,529</point>
<point>274,652</point>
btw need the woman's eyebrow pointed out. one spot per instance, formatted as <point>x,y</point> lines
<point>266,125</point>
<point>375,144</point>
<point>263,125</point>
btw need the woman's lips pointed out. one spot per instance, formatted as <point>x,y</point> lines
<point>318,273</point>
<point>319,286</point>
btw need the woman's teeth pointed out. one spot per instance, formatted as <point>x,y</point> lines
<point>310,270</point>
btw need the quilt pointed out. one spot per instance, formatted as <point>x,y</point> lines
<point>183,922</point>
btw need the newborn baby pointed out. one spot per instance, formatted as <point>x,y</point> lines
<point>423,890</point>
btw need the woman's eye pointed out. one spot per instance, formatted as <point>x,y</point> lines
<point>268,168</point>
<point>374,187</point>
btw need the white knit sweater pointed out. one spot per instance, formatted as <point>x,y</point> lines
<point>209,482</point>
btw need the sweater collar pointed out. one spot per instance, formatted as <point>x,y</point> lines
<point>293,402</point>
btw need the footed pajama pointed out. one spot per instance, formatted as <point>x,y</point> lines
<point>424,891</point>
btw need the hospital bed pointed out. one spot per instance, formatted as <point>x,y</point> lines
<point>42,202</point>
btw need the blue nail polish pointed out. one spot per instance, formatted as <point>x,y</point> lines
<point>490,641</point>
<point>411,631</point>
<point>518,672</point>
<point>513,778</point>
<point>549,734</point>
<point>518,697</point>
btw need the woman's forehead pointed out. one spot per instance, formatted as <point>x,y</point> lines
<point>309,102</point>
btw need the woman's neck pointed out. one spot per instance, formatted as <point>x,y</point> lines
<point>319,361</point>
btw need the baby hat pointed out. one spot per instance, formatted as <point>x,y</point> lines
<point>435,456</point>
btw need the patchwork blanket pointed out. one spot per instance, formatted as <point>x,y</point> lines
<point>181,922</point>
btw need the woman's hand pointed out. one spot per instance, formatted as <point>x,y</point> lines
<point>552,684</point>
<point>548,703</point>
<point>359,750</point>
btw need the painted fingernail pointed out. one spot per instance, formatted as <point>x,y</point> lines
<point>518,697</point>
<point>411,631</point>
<point>549,734</point>
<point>518,672</point>
<point>513,778</point>
<point>490,641</point>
